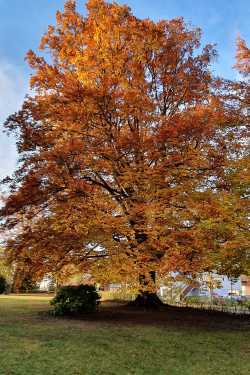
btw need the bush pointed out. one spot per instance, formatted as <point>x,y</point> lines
<point>75,300</point>
<point>3,285</point>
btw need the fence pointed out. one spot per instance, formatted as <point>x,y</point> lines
<point>234,309</point>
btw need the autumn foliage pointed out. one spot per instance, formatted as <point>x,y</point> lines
<point>130,146</point>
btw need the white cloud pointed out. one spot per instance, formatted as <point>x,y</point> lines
<point>13,86</point>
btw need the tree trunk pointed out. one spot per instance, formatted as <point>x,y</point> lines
<point>145,299</point>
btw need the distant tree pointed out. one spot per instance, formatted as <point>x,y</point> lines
<point>128,144</point>
<point>3,285</point>
<point>28,285</point>
<point>6,271</point>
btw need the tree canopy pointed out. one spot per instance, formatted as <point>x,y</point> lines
<point>129,145</point>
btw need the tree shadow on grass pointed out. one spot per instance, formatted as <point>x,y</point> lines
<point>121,314</point>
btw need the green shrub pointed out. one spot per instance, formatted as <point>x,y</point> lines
<point>3,285</point>
<point>75,300</point>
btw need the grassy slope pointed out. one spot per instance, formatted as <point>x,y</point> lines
<point>33,343</point>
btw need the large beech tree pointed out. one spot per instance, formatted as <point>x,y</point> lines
<point>128,144</point>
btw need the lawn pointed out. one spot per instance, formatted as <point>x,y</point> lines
<point>119,341</point>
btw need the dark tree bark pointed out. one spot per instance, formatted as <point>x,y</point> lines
<point>147,300</point>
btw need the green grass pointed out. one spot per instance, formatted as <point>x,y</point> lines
<point>31,342</point>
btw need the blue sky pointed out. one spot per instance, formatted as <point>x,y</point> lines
<point>22,23</point>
